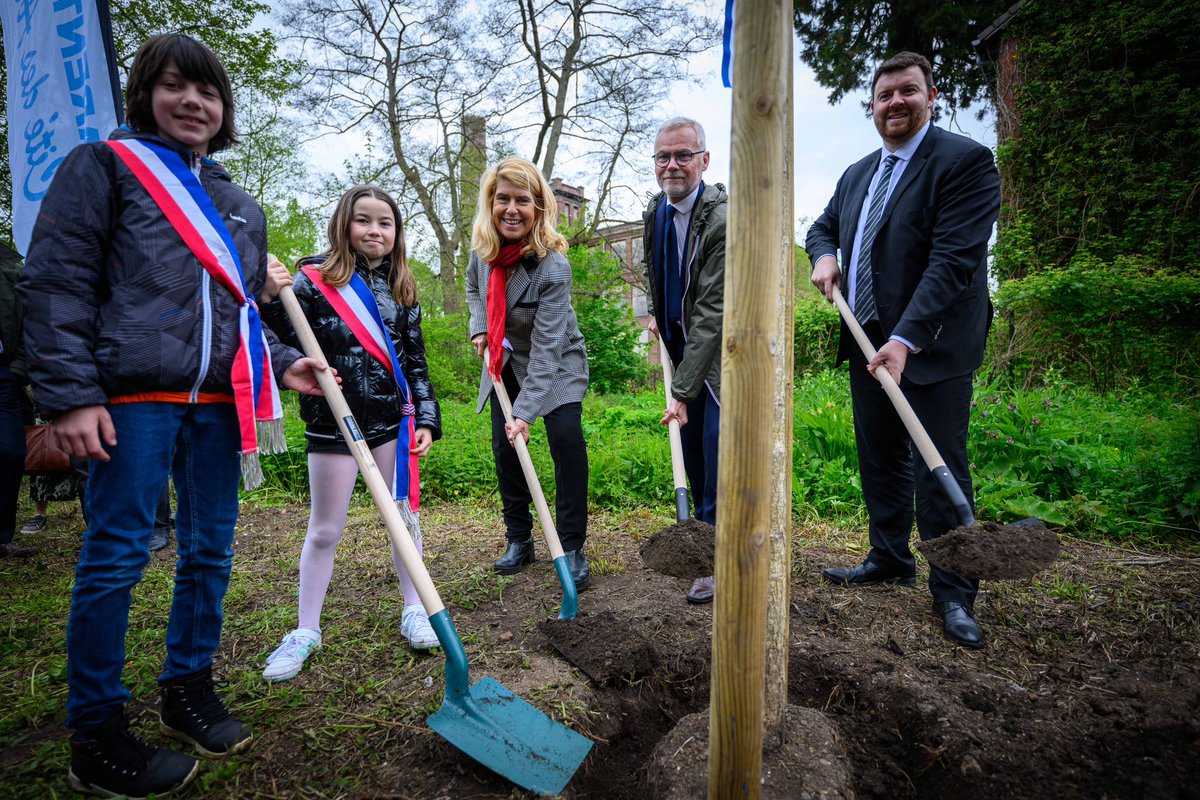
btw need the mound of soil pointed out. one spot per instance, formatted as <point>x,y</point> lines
<point>682,550</point>
<point>988,551</point>
<point>605,646</point>
<point>802,759</point>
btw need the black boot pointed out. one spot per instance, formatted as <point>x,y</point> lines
<point>577,563</point>
<point>192,712</point>
<point>516,556</point>
<point>110,761</point>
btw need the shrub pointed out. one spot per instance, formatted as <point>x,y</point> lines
<point>1101,324</point>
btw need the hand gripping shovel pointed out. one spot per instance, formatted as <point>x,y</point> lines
<point>570,604</point>
<point>986,551</point>
<point>683,505</point>
<point>486,721</point>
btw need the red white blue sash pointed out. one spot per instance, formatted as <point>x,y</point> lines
<point>358,309</point>
<point>189,209</point>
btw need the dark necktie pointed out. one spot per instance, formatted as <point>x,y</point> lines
<point>864,290</point>
<point>674,279</point>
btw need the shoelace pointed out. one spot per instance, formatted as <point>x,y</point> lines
<point>204,704</point>
<point>291,647</point>
<point>124,751</point>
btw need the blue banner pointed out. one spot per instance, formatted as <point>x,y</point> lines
<point>727,47</point>
<point>60,93</point>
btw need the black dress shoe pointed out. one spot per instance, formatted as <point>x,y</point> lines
<point>867,574</point>
<point>959,625</point>
<point>516,556</point>
<point>577,563</point>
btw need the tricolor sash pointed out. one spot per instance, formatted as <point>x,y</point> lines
<point>357,308</point>
<point>189,209</point>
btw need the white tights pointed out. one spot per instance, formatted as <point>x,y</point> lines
<point>331,479</point>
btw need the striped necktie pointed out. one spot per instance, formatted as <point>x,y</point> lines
<point>864,292</point>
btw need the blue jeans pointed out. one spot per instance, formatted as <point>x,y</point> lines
<point>198,445</point>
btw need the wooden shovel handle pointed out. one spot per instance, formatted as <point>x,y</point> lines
<point>915,429</point>
<point>381,492</point>
<point>677,470</point>
<point>535,487</point>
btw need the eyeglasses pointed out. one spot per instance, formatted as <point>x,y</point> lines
<point>682,157</point>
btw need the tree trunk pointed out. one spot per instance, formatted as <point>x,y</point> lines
<point>751,334</point>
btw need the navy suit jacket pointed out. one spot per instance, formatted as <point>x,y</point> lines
<point>930,254</point>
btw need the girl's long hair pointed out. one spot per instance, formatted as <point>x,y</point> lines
<point>339,262</point>
<point>543,237</point>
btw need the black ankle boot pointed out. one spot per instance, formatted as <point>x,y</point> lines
<point>111,761</point>
<point>578,566</point>
<point>516,556</point>
<point>192,712</point>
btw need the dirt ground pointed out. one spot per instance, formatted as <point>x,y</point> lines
<point>1088,686</point>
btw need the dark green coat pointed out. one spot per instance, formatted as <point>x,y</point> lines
<point>704,297</point>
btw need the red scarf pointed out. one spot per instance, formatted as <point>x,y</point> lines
<point>500,268</point>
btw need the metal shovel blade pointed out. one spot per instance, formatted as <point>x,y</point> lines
<point>500,730</point>
<point>512,738</point>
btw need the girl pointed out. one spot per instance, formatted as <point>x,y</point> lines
<point>363,274</point>
<point>519,296</point>
<point>147,353</point>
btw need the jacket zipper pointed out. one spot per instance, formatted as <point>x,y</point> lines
<point>206,334</point>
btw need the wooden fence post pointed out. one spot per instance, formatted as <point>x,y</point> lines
<point>751,336</point>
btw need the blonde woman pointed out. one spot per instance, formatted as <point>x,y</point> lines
<point>519,297</point>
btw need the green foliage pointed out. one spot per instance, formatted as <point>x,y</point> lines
<point>454,368</point>
<point>843,41</point>
<point>1107,158</point>
<point>1125,465</point>
<point>616,357</point>
<point>1103,324</point>
<point>293,230</point>
<point>815,332</point>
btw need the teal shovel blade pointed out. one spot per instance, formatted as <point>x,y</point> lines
<point>500,730</point>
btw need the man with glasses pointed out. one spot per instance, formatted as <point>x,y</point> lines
<point>684,259</point>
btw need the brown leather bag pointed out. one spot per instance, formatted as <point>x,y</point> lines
<point>41,454</point>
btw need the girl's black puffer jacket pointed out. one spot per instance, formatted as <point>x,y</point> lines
<point>367,385</point>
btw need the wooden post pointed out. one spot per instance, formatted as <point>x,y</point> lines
<point>779,585</point>
<point>751,336</point>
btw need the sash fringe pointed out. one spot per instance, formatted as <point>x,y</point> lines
<point>252,474</point>
<point>271,439</point>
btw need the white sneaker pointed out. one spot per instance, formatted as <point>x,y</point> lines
<point>414,626</point>
<point>288,659</point>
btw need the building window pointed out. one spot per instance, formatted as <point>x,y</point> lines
<point>639,302</point>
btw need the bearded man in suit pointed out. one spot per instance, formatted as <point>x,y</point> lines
<point>912,221</point>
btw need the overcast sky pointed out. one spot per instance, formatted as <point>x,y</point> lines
<point>828,138</point>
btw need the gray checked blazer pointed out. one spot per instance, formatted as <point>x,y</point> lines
<point>547,356</point>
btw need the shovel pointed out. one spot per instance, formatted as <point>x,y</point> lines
<point>570,604</point>
<point>486,721</point>
<point>683,505</point>
<point>996,551</point>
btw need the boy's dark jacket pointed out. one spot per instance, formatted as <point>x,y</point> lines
<point>115,303</point>
<point>367,385</point>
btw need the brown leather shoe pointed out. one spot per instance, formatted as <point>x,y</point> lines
<point>10,550</point>
<point>701,591</point>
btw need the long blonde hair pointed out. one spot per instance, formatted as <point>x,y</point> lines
<point>543,236</point>
<point>339,258</point>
